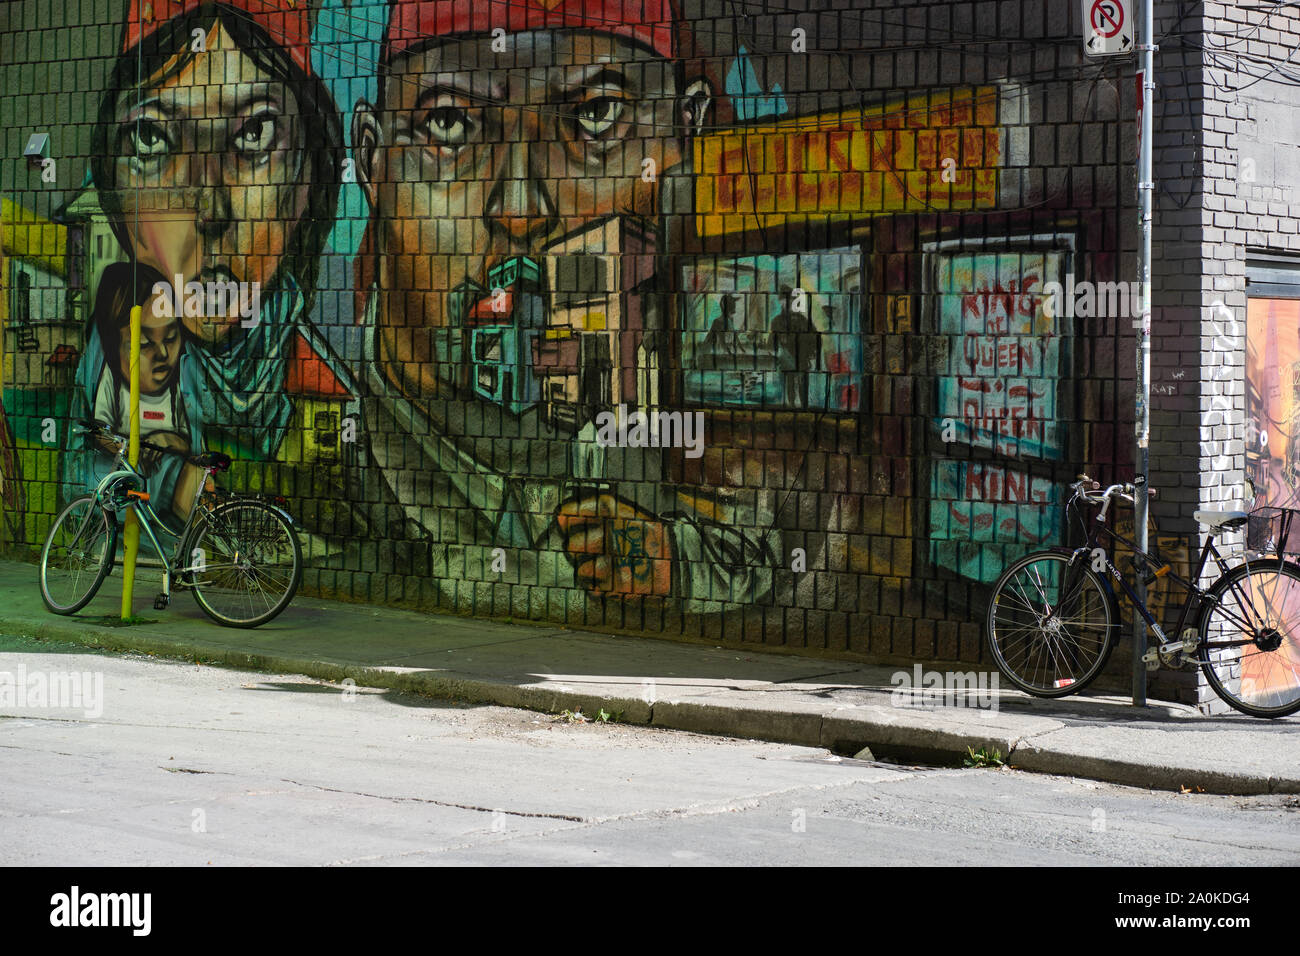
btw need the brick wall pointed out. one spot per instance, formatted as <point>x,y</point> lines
<point>822,235</point>
<point>1233,140</point>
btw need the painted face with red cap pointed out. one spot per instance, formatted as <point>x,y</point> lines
<point>480,152</point>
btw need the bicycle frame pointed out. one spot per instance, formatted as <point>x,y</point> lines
<point>148,518</point>
<point>1195,593</point>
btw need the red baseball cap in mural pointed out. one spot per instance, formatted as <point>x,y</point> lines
<point>647,22</point>
<point>285,21</point>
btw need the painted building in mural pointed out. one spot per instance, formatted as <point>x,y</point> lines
<point>450,238</point>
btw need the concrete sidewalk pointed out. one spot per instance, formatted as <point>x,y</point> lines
<point>832,704</point>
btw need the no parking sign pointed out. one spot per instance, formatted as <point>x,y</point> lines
<point>1107,27</point>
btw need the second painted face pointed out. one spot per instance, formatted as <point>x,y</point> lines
<point>480,157</point>
<point>160,348</point>
<point>210,173</point>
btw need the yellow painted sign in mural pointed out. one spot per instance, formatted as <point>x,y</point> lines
<point>937,152</point>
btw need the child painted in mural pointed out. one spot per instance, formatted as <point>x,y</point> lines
<point>102,392</point>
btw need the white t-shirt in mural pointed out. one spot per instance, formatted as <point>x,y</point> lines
<point>158,413</point>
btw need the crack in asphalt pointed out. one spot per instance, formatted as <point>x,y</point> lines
<point>61,753</point>
<point>440,803</point>
<point>751,802</point>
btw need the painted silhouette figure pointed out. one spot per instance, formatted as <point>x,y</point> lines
<point>719,349</point>
<point>796,342</point>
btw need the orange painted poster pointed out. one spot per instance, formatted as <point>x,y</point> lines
<point>1273,465</point>
<point>1273,400</point>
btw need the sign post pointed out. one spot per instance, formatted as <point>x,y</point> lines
<point>1142,389</point>
<point>1108,30</point>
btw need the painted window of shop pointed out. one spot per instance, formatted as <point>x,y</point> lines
<point>996,407</point>
<point>1272,381</point>
<point>774,331</point>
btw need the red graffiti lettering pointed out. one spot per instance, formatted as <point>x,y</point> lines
<point>997,304</point>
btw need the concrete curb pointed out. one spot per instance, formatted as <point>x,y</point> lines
<point>903,735</point>
<point>1148,775</point>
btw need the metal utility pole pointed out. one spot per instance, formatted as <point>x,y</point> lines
<point>1108,30</point>
<point>1142,391</point>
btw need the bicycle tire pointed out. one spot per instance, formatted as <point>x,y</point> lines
<point>1018,631</point>
<point>98,551</point>
<point>1242,679</point>
<point>242,544</point>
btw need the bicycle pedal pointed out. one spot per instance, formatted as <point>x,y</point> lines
<point>1151,657</point>
<point>161,601</point>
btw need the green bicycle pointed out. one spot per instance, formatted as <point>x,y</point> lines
<point>238,556</point>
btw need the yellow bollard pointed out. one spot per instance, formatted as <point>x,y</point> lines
<point>132,529</point>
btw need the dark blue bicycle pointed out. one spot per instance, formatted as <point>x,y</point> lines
<point>1054,617</point>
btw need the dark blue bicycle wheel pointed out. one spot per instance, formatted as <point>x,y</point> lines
<point>1051,624</point>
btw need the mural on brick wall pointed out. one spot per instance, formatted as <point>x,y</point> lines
<point>216,156</point>
<point>549,309</point>
<point>1273,400</point>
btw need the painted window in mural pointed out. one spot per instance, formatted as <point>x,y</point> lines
<point>1272,428</point>
<point>1004,359</point>
<point>998,394</point>
<point>1273,400</point>
<point>774,331</point>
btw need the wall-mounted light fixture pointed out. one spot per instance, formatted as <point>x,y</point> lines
<point>38,149</point>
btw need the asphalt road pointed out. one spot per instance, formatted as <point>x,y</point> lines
<point>183,763</point>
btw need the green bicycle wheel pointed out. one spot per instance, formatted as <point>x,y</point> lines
<point>77,555</point>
